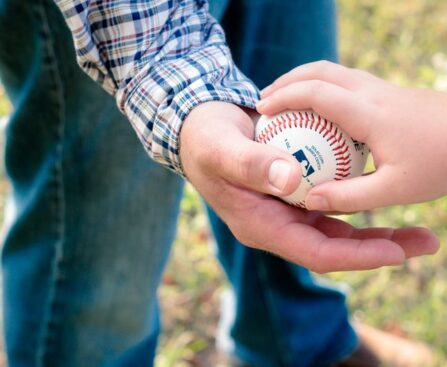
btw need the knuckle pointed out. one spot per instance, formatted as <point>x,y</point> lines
<point>362,74</point>
<point>314,261</point>
<point>318,93</point>
<point>277,99</point>
<point>245,165</point>
<point>316,87</point>
<point>323,66</point>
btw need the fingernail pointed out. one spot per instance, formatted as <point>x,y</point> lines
<point>317,202</point>
<point>279,174</point>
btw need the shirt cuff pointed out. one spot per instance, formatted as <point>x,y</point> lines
<point>159,99</point>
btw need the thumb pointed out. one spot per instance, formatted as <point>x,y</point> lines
<point>260,167</point>
<point>354,194</point>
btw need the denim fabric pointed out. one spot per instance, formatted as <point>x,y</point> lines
<point>277,314</point>
<point>91,219</point>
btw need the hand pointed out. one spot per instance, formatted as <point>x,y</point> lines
<point>237,176</point>
<point>405,128</point>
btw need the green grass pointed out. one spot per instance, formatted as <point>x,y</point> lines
<point>190,290</point>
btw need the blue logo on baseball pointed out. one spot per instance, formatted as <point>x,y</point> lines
<point>305,163</point>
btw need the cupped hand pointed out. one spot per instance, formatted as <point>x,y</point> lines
<point>405,128</point>
<point>237,177</point>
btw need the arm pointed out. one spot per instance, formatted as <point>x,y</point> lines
<point>160,59</point>
<point>165,61</point>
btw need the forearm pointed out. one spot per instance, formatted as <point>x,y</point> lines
<point>159,59</point>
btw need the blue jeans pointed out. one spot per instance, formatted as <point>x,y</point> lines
<point>91,219</point>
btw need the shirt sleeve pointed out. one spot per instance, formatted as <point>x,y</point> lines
<point>160,59</point>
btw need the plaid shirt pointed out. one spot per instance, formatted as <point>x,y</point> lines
<point>160,59</point>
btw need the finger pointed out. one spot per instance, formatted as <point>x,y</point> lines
<point>334,103</point>
<point>416,241</point>
<point>290,234</point>
<point>413,241</point>
<point>355,194</point>
<point>326,71</point>
<point>323,254</point>
<point>341,254</point>
<point>259,167</point>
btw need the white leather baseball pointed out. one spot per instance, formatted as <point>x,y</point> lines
<point>325,151</point>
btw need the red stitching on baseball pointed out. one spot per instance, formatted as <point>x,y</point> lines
<point>327,129</point>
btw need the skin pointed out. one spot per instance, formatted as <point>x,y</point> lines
<point>231,171</point>
<point>405,128</point>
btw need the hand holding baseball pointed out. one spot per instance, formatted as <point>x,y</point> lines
<point>405,129</point>
<point>325,151</point>
<point>235,174</point>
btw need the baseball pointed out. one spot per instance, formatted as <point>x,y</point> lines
<point>324,151</point>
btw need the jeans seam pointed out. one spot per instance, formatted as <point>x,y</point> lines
<point>58,182</point>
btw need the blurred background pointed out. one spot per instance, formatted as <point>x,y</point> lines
<point>403,41</point>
